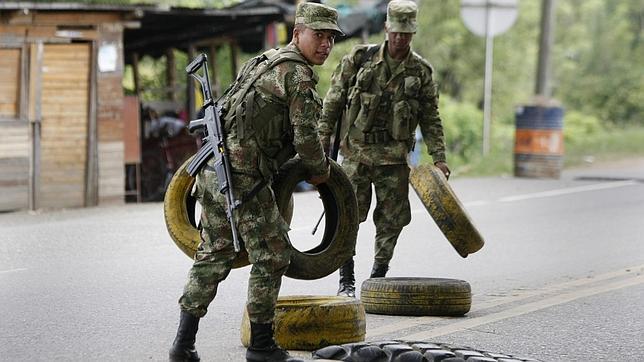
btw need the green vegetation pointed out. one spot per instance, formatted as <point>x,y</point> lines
<point>177,3</point>
<point>597,77</point>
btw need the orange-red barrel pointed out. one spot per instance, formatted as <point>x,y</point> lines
<point>538,146</point>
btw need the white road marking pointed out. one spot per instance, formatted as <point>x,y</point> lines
<point>550,193</point>
<point>477,203</point>
<point>570,190</point>
<point>634,272</point>
<point>525,309</point>
<point>516,296</point>
<point>12,270</point>
<point>535,195</point>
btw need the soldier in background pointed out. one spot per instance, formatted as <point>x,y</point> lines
<point>270,114</point>
<point>383,92</point>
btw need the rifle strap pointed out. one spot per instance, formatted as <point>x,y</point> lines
<point>268,60</point>
<point>367,55</point>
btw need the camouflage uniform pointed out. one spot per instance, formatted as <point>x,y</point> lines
<point>276,120</point>
<point>381,109</point>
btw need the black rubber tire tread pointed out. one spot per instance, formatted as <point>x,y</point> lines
<point>446,209</point>
<point>416,296</point>
<point>341,220</point>
<point>311,322</point>
<point>375,351</point>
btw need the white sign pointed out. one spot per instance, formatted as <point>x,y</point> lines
<point>107,57</point>
<point>488,17</point>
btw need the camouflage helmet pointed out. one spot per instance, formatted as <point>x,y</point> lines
<point>401,16</point>
<point>317,17</point>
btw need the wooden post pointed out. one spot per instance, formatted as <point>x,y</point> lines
<point>170,74</point>
<point>543,87</point>
<point>35,118</point>
<point>135,74</point>
<point>234,57</point>
<point>190,87</point>
<point>213,69</point>
<point>91,165</point>
<point>24,81</point>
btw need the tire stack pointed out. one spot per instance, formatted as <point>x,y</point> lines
<point>429,296</point>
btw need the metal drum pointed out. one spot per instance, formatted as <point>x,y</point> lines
<point>538,146</point>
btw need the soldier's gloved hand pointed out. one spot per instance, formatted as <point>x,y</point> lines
<point>443,167</point>
<point>320,179</point>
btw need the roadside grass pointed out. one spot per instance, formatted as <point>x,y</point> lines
<point>605,146</point>
<point>613,145</point>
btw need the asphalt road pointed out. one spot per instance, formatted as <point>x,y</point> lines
<point>561,277</point>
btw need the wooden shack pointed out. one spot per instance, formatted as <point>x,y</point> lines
<point>61,98</point>
<point>61,134</point>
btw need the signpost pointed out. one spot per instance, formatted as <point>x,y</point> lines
<point>488,18</point>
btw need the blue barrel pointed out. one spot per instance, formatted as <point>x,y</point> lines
<point>538,146</point>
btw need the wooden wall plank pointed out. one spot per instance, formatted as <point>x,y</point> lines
<point>111,169</point>
<point>14,166</point>
<point>10,84</point>
<point>65,87</point>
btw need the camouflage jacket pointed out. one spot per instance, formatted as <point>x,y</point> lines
<point>270,114</point>
<point>382,110</point>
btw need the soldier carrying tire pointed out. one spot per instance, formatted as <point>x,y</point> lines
<point>383,92</point>
<point>270,114</point>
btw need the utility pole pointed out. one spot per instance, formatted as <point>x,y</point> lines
<point>543,86</point>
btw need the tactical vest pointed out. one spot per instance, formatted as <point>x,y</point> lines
<point>247,115</point>
<point>378,115</point>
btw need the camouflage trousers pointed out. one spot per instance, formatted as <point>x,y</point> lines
<point>264,233</point>
<point>392,211</point>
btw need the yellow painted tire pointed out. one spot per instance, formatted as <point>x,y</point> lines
<point>446,209</point>
<point>178,210</point>
<point>312,322</point>
<point>416,296</point>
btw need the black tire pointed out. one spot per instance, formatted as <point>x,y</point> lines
<point>341,224</point>
<point>341,220</point>
<point>409,351</point>
<point>446,209</point>
<point>310,322</point>
<point>416,296</point>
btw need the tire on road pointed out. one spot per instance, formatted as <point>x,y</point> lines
<point>310,322</point>
<point>341,222</point>
<point>416,296</point>
<point>446,209</point>
<point>407,351</point>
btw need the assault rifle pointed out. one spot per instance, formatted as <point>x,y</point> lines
<point>214,145</point>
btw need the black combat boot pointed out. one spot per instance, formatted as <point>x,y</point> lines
<point>347,280</point>
<point>263,347</point>
<point>183,347</point>
<point>379,270</point>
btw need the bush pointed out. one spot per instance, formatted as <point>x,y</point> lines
<point>578,127</point>
<point>462,124</point>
